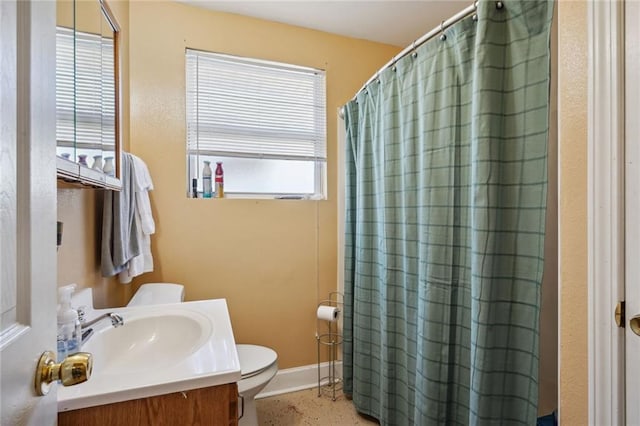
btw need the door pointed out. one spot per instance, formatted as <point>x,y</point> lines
<point>27,207</point>
<point>632,199</point>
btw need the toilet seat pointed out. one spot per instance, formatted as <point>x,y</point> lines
<point>255,359</point>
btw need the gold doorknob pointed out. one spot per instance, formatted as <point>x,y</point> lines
<point>72,370</point>
<point>634,323</point>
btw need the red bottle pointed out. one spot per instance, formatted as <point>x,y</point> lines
<point>219,180</point>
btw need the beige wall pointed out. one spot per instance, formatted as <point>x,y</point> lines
<point>572,112</point>
<point>548,373</point>
<point>80,208</point>
<point>79,256</point>
<point>271,259</point>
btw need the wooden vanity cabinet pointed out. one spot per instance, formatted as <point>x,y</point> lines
<point>217,405</point>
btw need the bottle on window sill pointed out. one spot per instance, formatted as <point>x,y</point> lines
<point>219,180</point>
<point>194,188</point>
<point>206,180</point>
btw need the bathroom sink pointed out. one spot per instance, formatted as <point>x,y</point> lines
<point>148,341</point>
<point>158,350</point>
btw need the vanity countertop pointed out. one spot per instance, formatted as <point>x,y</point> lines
<point>160,349</point>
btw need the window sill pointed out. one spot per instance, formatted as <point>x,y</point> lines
<point>284,197</point>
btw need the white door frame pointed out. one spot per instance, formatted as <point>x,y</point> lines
<point>632,206</point>
<point>27,207</point>
<point>605,210</point>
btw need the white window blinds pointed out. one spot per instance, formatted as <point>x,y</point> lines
<point>65,116</point>
<point>239,107</point>
<point>85,89</point>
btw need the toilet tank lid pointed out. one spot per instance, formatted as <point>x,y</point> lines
<point>254,358</point>
<point>157,294</point>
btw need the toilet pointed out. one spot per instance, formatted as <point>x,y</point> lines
<point>258,364</point>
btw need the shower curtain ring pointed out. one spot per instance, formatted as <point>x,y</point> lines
<point>499,5</point>
<point>413,47</point>
<point>443,36</point>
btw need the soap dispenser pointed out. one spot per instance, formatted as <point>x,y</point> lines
<point>69,333</point>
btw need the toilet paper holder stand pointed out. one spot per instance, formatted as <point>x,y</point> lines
<point>330,339</point>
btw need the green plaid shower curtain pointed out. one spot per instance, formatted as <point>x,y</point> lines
<point>446,198</point>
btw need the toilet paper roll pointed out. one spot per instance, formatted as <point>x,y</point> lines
<point>328,313</point>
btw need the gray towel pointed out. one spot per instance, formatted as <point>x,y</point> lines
<point>119,228</point>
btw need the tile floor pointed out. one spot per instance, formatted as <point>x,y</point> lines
<point>306,408</point>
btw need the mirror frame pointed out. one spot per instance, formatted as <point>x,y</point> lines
<point>72,172</point>
<point>108,14</point>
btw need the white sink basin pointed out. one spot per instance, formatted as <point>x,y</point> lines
<point>158,350</point>
<point>150,342</point>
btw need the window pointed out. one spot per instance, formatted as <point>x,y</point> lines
<point>85,117</point>
<point>265,121</point>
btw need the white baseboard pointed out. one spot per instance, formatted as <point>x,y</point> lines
<point>297,378</point>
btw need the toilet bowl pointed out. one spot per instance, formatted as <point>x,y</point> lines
<point>258,364</point>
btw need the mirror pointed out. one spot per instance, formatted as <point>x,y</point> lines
<point>87,127</point>
<point>65,130</point>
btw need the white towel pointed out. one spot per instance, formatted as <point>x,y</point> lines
<point>144,220</point>
<point>144,184</point>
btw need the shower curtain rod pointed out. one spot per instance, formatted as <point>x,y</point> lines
<point>438,30</point>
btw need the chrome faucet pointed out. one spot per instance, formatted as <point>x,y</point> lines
<point>87,332</point>
<point>116,320</point>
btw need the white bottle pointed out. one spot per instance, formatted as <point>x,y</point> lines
<point>69,333</point>
<point>108,167</point>
<point>206,180</point>
<point>97,162</point>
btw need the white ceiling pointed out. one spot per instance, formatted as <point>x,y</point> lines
<point>396,22</point>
